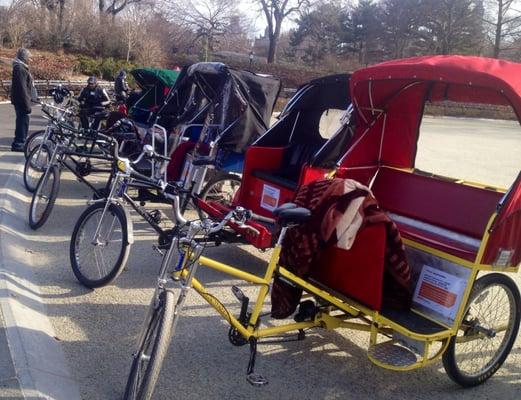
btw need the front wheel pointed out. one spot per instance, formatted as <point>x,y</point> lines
<point>35,165</point>
<point>487,333</point>
<point>32,141</point>
<point>44,197</point>
<point>98,260</point>
<point>147,362</point>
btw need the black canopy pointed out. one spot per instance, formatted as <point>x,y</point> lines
<point>299,122</point>
<point>239,102</point>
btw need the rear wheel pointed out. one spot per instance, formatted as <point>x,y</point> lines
<point>97,261</point>
<point>35,165</point>
<point>147,362</point>
<point>32,141</point>
<point>487,333</point>
<point>222,189</point>
<point>44,197</point>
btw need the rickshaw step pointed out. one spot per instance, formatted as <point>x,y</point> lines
<point>392,354</point>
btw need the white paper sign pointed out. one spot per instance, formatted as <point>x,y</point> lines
<point>439,292</point>
<point>270,197</point>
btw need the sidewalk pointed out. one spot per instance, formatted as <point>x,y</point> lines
<point>9,385</point>
<point>32,363</point>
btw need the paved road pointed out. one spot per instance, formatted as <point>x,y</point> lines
<point>97,330</point>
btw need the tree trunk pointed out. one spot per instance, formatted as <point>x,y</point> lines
<point>272,51</point>
<point>499,29</point>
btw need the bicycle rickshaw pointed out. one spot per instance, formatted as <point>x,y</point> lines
<point>155,85</point>
<point>230,109</point>
<point>452,230</point>
<point>310,136</point>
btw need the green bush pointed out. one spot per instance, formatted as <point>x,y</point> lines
<point>106,68</point>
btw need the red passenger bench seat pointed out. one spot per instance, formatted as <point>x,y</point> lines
<point>439,213</point>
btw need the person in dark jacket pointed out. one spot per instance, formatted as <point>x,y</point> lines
<point>121,86</point>
<point>93,99</point>
<point>23,93</point>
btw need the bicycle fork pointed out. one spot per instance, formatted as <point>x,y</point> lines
<point>110,199</point>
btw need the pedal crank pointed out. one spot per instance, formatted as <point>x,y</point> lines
<point>253,378</point>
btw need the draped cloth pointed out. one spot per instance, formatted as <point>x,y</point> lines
<point>339,208</point>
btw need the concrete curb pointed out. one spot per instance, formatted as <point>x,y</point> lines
<point>39,361</point>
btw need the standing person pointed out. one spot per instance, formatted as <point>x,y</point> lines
<point>121,86</point>
<point>93,98</point>
<point>22,93</point>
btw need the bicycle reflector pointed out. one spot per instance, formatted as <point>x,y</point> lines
<point>123,165</point>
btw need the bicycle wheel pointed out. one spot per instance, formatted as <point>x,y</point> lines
<point>221,188</point>
<point>44,197</point>
<point>487,333</point>
<point>35,165</point>
<point>32,141</point>
<point>147,362</point>
<point>98,261</point>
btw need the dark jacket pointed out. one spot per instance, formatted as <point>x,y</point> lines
<point>96,97</point>
<point>121,86</point>
<point>21,86</point>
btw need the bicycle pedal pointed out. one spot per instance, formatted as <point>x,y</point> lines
<point>306,311</point>
<point>256,380</point>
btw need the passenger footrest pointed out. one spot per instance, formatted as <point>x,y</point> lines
<point>392,355</point>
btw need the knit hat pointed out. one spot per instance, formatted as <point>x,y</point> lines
<point>23,54</point>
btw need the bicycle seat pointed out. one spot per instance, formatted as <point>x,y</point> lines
<point>124,135</point>
<point>295,215</point>
<point>205,160</point>
<point>285,206</point>
<point>101,114</point>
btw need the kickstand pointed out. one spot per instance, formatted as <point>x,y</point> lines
<point>253,378</point>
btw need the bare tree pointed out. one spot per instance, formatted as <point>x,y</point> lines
<point>17,18</point>
<point>113,7</point>
<point>134,20</point>
<point>209,20</point>
<point>275,12</point>
<point>503,21</point>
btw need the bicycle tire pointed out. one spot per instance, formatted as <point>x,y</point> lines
<point>157,340</point>
<point>113,271</point>
<point>33,167</point>
<point>28,145</point>
<point>452,365</point>
<point>214,185</point>
<point>37,220</point>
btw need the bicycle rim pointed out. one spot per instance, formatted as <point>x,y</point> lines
<point>38,162</point>
<point>493,308</point>
<point>43,196</point>
<point>96,258</point>
<point>223,191</point>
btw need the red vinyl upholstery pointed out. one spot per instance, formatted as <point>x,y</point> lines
<point>454,207</point>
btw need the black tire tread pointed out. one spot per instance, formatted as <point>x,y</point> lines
<point>449,360</point>
<point>117,210</point>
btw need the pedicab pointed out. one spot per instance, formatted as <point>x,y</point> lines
<point>452,230</point>
<point>310,136</point>
<point>225,111</point>
<point>155,85</point>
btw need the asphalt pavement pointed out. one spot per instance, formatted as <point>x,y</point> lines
<point>96,330</point>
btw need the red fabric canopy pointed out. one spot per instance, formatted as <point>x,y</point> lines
<point>389,98</point>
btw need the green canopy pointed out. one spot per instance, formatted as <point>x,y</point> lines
<point>147,77</point>
<point>155,84</point>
